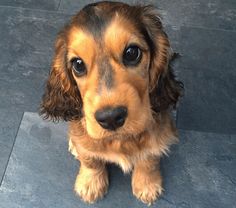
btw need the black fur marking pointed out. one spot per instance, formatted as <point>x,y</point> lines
<point>106,74</point>
<point>93,19</point>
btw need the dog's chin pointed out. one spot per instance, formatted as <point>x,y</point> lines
<point>115,135</point>
<point>121,133</point>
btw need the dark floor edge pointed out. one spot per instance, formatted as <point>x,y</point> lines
<point>207,132</point>
<point>37,10</point>
<point>14,141</point>
<point>59,4</point>
<point>203,27</point>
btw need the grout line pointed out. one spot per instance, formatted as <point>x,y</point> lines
<point>206,132</point>
<point>204,27</point>
<point>168,24</point>
<point>38,10</point>
<point>59,4</point>
<point>25,8</point>
<point>3,176</point>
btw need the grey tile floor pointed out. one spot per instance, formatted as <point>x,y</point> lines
<point>201,170</point>
<point>41,172</point>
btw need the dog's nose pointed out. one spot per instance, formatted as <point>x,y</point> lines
<point>111,118</point>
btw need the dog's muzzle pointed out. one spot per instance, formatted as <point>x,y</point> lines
<point>111,118</point>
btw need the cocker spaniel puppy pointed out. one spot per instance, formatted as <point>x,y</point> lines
<point>112,81</point>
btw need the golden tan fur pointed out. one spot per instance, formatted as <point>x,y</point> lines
<point>148,90</point>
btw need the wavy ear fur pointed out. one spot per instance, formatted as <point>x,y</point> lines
<point>164,88</point>
<point>61,100</point>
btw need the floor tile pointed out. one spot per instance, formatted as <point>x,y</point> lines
<point>204,13</point>
<point>27,39</point>
<point>207,68</point>
<point>199,171</point>
<point>32,4</point>
<point>9,123</point>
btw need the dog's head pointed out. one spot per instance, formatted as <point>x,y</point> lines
<point>111,69</point>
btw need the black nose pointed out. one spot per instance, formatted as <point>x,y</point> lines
<point>111,118</point>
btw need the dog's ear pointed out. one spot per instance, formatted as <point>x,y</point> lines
<point>164,89</point>
<point>61,100</point>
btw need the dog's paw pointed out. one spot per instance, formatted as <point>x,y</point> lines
<point>147,188</point>
<point>91,187</point>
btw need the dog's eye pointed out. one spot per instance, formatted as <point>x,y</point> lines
<point>132,55</point>
<point>79,66</point>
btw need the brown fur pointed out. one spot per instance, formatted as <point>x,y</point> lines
<point>148,90</point>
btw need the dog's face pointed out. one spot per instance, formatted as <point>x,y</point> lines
<point>110,67</point>
<point>107,64</point>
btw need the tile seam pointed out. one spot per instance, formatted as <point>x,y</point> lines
<point>14,141</point>
<point>59,4</point>
<point>38,10</point>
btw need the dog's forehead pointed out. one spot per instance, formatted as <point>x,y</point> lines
<point>95,18</point>
<point>102,33</point>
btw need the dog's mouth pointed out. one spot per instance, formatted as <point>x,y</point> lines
<point>120,135</point>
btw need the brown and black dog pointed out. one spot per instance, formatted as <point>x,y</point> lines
<point>112,81</point>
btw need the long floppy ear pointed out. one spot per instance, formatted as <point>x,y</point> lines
<point>164,89</point>
<point>61,100</point>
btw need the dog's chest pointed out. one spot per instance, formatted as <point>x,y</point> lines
<point>125,153</point>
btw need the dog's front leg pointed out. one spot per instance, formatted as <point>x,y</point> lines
<point>146,180</point>
<point>92,180</point>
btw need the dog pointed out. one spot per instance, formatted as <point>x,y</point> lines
<point>111,79</point>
